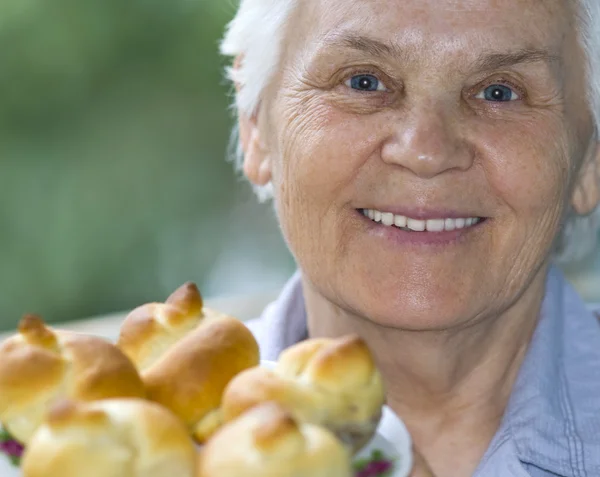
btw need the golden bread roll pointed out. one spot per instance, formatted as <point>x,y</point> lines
<point>187,354</point>
<point>110,438</point>
<point>267,442</point>
<point>40,365</point>
<point>330,382</point>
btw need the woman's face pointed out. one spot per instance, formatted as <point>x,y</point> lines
<point>422,152</point>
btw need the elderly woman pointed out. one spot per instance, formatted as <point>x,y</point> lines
<point>429,161</point>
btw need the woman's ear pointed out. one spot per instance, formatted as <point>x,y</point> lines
<point>587,191</point>
<point>257,164</point>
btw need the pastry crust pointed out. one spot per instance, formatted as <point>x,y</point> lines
<point>187,354</point>
<point>267,442</point>
<point>40,365</point>
<point>329,382</point>
<point>110,438</point>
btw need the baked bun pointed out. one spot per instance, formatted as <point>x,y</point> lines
<point>40,365</point>
<point>330,382</point>
<point>187,354</point>
<point>267,442</point>
<point>110,438</point>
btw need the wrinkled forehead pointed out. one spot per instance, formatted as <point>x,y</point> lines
<point>448,27</point>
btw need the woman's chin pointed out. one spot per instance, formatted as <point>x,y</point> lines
<point>417,322</point>
<point>404,300</point>
<point>415,315</point>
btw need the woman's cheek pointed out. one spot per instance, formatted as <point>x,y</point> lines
<point>523,159</point>
<point>531,177</point>
<point>328,155</point>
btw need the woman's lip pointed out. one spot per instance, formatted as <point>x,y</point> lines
<point>424,214</point>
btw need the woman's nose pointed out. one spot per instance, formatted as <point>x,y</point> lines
<point>428,142</point>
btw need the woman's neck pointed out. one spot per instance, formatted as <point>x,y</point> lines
<point>450,387</point>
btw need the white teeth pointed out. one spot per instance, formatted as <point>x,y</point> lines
<point>399,220</point>
<point>387,219</point>
<point>431,225</point>
<point>436,225</point>
<point>416,225</point>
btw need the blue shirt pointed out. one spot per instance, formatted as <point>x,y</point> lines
<point>551,426</point>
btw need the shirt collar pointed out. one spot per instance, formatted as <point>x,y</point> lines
<point>282,323</point>
<point>553,415</point>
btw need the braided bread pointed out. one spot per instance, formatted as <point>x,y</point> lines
<point>329,382</point>
<point>40,365</point>
<point>110,438</point>
<point>187,354</point>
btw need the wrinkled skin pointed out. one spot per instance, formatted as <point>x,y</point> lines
<point>333,149</point>
<point>427,139</point>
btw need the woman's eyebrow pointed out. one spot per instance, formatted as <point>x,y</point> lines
<point>363,44</point>
<point>494,61</point>
<point>488,60</point>
<point>370,45</point>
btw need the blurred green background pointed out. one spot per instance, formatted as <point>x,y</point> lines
<point>115,187</point>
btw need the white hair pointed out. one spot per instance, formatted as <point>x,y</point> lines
<point>256,34</point>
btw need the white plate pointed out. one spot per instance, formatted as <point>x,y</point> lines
<point>392,438</point>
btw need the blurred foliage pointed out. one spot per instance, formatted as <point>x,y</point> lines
<point>114,124</point>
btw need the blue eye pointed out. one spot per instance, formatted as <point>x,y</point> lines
<point>498,93</point>
<point>365,83</point>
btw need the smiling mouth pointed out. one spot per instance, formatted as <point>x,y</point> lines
<point>408,224</point>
